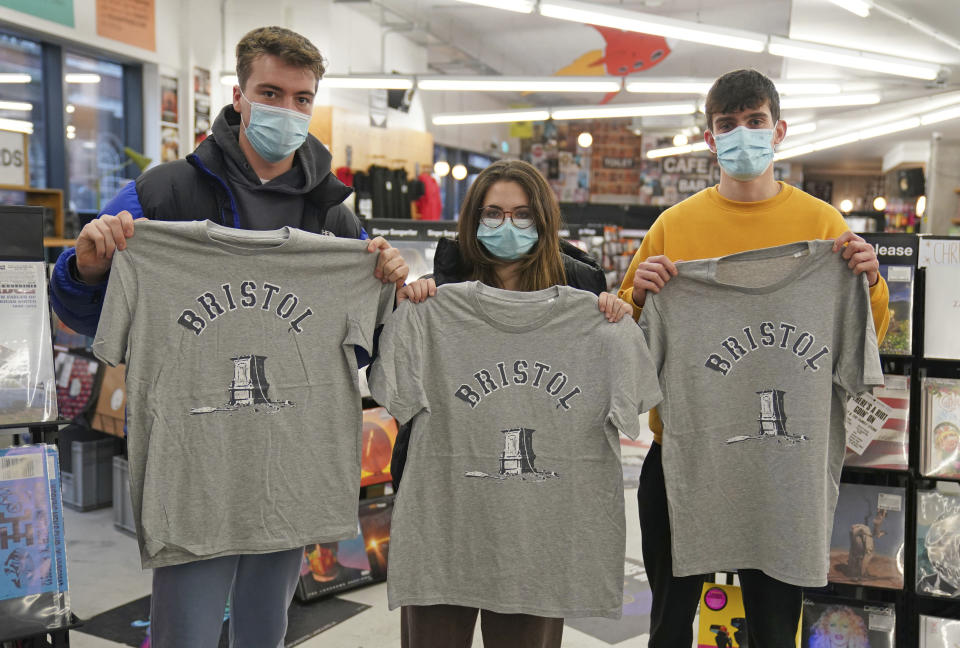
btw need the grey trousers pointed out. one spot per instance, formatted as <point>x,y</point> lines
<point>186,609</point>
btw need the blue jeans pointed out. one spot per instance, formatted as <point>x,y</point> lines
<point>186,609</point>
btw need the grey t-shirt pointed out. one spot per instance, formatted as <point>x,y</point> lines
<point>756,352</point>
<point>243,406</point>
<point>512,495</point>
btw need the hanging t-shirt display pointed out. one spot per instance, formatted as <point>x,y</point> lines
<point>243,406</point>
<point>512,496</point>
<point>754,404</point>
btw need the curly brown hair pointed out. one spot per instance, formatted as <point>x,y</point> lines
<point>288,45</point>
<point>543,266</point>
<point>740,90</point>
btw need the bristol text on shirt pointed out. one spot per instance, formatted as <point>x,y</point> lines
<point>800,344</point>
<point>490,382</point>
<point>247,299</point>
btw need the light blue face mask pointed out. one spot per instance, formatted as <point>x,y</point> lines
<point>275,132</point>
<point>507,241</point>
<point>745,153</point>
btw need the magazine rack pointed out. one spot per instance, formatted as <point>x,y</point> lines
<point>23,241</point>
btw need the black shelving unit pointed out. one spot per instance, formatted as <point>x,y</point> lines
<point>909,604</point>
<point>23,241</point>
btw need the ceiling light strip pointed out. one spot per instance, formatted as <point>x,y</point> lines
<point>519,84</point>
<point>503,117</point>
<point>850,58</point>
<point>587,13</point>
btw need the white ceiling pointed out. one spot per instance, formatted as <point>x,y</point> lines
<point>467,39</point>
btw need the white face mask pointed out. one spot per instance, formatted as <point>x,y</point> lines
<point>275,132</point>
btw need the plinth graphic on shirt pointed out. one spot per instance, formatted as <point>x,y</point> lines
<point>772,420</point>
<point>516,459</point>
<point>249,388</point>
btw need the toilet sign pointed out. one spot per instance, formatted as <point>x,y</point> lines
<point>13,159</point>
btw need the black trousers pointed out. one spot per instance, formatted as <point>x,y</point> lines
<point>772,607</point>
<point>451,626</point>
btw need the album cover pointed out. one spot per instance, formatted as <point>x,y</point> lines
<point>76,380</point>
<point>940,426</point>
<point>723,623</point>
<point>832,623</point>
<point>376,446</point>
<point>890,448</point>
<point>866,546</point>
<point>33,574</point>
<point>109,414</point>
<point>899,337</point>
<point>939,632</point>
<point>375,517</point>
<point>27,386</point>
<point>941,335</point>
<point>938,542</point>
<point>331,567</point>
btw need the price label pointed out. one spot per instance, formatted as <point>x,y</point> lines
<point>866,415</point>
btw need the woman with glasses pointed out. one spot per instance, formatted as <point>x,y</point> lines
<point>507,237</point>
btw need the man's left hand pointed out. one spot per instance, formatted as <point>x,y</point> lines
<point>391,268</point>
<point>860,255</point>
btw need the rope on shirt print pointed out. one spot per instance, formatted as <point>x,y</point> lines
<point>772,420</point>
<point>517,459</point>
<point>249,388</point>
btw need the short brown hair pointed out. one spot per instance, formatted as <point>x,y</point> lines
<point>543,266</point>
<point>288,45</point>
<point>740,90</point>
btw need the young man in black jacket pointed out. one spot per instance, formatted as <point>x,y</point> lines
<point>260,170</point>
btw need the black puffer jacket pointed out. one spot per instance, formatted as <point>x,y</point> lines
<point>582,272</point>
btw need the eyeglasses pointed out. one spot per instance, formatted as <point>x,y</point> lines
<point>493,217</point>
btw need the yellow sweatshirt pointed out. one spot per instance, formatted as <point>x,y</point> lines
<point>707,225</point>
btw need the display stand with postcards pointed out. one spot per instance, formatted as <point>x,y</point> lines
<point>34,594</point>
<point>891,562</point>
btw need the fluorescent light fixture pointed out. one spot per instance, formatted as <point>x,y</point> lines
<point>77,77</point>
<point>229,80</point>
<point>520,6</point>
<point>702,86</point>
<point>669,87</point>
<point>16,105</point>
<point>940,115</point>
<point>9,77</point>
<point>859,7</point>
<point>18,125</point>
<point>801,129</point>
<point>888,129</point>
<point>677,150</point>
<point>502,117</point>
<point>851,58</point>
<point>624,110</point>
<point>592,14</point>
<point>520,84</point>
<point>368,82</point>
<point>864,99</point>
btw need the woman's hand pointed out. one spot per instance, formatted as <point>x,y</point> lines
<point>417,291</point>
<point>613,307</point>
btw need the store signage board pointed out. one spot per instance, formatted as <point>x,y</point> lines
<point>58,11</point>
<point>938,251</point>
<point>14,167</point>
<point>133,22</point>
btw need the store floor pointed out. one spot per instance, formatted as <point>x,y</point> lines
<point>104,571</point>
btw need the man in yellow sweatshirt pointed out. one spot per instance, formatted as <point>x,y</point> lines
<point>749,209</point>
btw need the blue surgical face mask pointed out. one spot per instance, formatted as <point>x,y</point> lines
<point>274,132</point>
<point>507,241</point>
<point>745,153</point>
